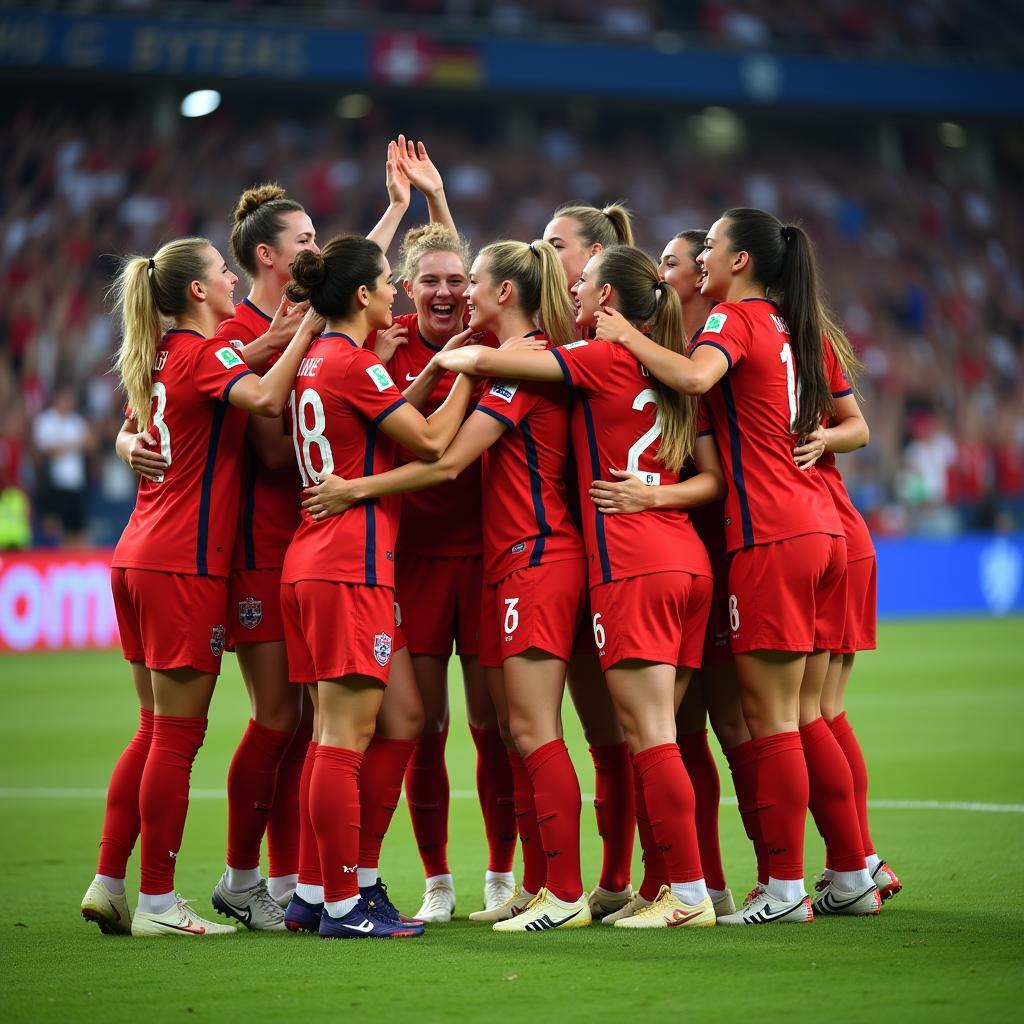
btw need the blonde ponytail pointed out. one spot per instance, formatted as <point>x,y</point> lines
<point>609,226</point>
<point>650,304</point>
<point>147,294</point>
<point>535,270</point>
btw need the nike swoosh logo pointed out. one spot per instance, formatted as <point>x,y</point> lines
<point>363,926</point>
<point>411,376</point>
<point>682,918</point>
<point>829,902</point>
<point>183,928</point>
<point>117,913</point>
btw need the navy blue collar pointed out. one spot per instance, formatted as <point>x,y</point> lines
<point>338,334</point>
<point>256,309</point>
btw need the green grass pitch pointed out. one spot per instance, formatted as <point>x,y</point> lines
<point>939,713</point>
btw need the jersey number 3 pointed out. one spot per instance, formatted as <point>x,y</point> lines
<point>312,437</point>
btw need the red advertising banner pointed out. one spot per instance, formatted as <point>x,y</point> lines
<point>56,600</point>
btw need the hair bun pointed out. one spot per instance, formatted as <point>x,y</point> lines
<point>309,271</point>
<point>253,198</point>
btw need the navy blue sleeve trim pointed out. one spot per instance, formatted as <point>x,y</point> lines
<point>842,394</point>
<point>231,383</point>
<point>705,433</point>
<point>387,412</point>
<point>721,348</point>
<point>496,415</point>
<point>566,372</point>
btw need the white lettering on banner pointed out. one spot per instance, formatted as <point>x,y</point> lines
<point>55,604</point>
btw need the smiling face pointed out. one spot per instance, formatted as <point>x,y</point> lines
<point>718,262</point>
<point>297,234</point>
<point>588,293</point>
<point>219,284</point>
<point>439,291</point>
<point>482,295</point>
<point>381,299</point>
<point>563,235</point>
<point>680,270</point>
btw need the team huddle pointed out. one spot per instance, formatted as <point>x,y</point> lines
<point>572,465</point>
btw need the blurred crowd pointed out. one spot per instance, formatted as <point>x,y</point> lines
<point>957,29</point>
<point>926,271</point>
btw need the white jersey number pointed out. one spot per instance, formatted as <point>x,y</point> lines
<point>792,388</point>
<point>160,394</point>
<point>311,437</point>
<point>511,623</point>
<point>599,635</point>
<point>645,398</point>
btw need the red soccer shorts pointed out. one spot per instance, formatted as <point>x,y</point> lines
<point>337,629</point>
<point>168,620</point>
<point>440,601</point>
<point>789,595</point>
<point>583,641</point>
<point>861,605</point>
<point>661,617</point>
<point>537,607</point>
<point>716,639</point>
<point>254,600</point>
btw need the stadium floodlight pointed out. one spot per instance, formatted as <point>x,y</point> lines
<point>952,135</point>
<point>200,103</point>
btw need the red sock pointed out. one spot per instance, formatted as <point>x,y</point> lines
<point>334,811</point>
<point>283,824</point>
<point>380,786</point>
<point>121,820</point>
<point>831,796</point>
<point>707,792</point>
<point>556,795</point>
<point>252,780</point>
<point>847,740</point>
<point>655,869</point>
<point>743,766</point>
<point>309,853</point>
<point>535,868</point>
<point>615,807</point>
<point>427,792</point>
<point>163,797</point>
<point>497,797</point>
<point>782,795</point>
<point>668,795</point>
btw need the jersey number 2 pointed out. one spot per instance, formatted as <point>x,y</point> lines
<point>645,398</point>
<point>312,437</point>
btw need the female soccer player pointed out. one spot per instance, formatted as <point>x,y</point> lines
<point>533,568</point>
<point>438,578</point>
<point>787,573</point>
<point>846,431</point>
<point>265,773</point>
<point>650,580</point>
<point>578,231</point>
<point>715,689</point>
<point>187,391</point>
<point>337,582</point>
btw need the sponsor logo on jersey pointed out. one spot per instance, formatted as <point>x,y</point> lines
<point>217,635</point>
<point>715,323</point>
<point>250,612</point>
<point>236,344</point>
<point>505,390</point>
<point>382,648</point>
<point>516,548</point>
<point>411,376</point>
<point>229,357</point>
<point>161,360</point>
<point>575,344</point>
<point>380,377</point>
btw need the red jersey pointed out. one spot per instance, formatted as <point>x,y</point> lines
<point>752,409</point>
<point>270,497</point>
<point>443,521</point>
<point>616,423</point>
<point>186,523</point>
<point>858,539</point>
<point>342,394</point>
<point>526,512</point>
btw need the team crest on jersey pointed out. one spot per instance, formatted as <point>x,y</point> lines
<point>380,377</point>
<point>382,648</point>
<point>250,612</point>
<point>715,323</point>
<point>217,635</point>
<point>575,344</point>
<point>505,390</point>
<point>237,344</point>
<point>229,357</point>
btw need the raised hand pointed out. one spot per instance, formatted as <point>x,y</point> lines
<point>396,177</point>
<point>418,166</point>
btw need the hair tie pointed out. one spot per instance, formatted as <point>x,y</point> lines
<point>787,234</point>
<point>533,249</point>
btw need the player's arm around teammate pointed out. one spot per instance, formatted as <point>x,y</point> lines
<point>169,578</point>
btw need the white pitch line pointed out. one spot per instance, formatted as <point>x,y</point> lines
<point>68,793</point>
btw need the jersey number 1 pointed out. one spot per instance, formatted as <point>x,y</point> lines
<point>312,437</point>
<point>792,387</point>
